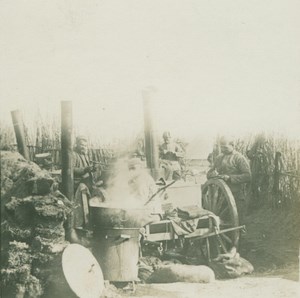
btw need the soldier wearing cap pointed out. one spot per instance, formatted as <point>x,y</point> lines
<point>170,153</point>
<point>82,167</point>
<point>234,169</point>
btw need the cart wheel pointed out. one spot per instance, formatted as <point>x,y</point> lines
<point>217,198</point>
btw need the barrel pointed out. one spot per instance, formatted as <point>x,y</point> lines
<point>117,251</point>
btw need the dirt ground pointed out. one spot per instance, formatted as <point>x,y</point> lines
<point>275,287</point>
<point>272,240</point>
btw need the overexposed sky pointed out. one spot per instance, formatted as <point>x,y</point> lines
<point>217,66</point>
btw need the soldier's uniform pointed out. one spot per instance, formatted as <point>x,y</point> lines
<point>237,167</point>
<point>80,162</point>
<point>170,160</point>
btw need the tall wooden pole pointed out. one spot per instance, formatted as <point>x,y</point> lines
<point>20,133</point>
<point>151,142</point>
<point>66,149</point>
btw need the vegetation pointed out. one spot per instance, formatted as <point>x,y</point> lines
<point>274,162</point>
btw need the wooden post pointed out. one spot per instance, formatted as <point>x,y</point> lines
<point>66,149</point>
<point>20,133</point>
<point>151,142</point>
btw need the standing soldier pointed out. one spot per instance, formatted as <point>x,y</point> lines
<point>234,169</point>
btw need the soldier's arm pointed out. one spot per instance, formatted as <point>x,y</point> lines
<point>161,151</point>
<point>179,151</point>
<point>244,175</point>
<point>77,170</point>
<point>213,171</point>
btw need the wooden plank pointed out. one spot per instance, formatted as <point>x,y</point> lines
<point>85,207</point>
<point>208,249</point>
<point>162,236</point>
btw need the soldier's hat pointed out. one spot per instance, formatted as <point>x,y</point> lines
<point>80,138</point>
<point>166,134</point>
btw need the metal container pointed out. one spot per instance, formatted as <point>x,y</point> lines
<point>117,251</point>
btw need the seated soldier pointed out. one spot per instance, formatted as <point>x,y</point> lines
<point>170,154</point>
<point>83,180</point>
<point>82,167</point>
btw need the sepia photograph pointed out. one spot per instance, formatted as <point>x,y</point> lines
<point>150,148</point>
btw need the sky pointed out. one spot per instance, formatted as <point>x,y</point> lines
<point>216,66</point>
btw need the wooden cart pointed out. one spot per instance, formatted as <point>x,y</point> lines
<point>216,197</point>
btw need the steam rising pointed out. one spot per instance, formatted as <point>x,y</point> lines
<point>119,193</point>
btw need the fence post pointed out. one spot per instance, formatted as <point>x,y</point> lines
<point>20,133</point>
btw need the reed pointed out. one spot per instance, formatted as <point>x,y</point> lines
<point>261,150</point>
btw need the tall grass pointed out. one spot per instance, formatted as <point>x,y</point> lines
<point>261,150</point>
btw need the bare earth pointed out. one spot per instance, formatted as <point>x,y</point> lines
<point>273,287</point>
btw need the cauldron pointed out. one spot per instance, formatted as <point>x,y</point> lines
<point>117,251</point>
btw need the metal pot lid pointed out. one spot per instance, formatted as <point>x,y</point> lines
<point>82,272</point>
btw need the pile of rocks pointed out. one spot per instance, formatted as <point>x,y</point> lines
<point>32,229</point>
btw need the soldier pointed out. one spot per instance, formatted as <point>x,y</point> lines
<point>234,169</point>
<point>84,180</point>
<point>170,154</point>
<point>81,164</point>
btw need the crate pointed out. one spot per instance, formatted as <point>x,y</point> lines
<point>160,231</point>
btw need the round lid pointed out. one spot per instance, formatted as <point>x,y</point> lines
<point>82,271</point>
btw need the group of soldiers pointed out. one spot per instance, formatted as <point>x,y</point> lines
<point>170,155</point>
<point>230,165</point>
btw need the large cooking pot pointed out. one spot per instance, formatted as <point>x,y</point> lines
<point>117,251</point>
<point>104,216</point>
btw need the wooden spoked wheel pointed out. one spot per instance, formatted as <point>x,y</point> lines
<point>217,198</point>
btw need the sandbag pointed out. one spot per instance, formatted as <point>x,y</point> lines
<point>228,266</point>
<point>147,265</point>
<point>182,273</point>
